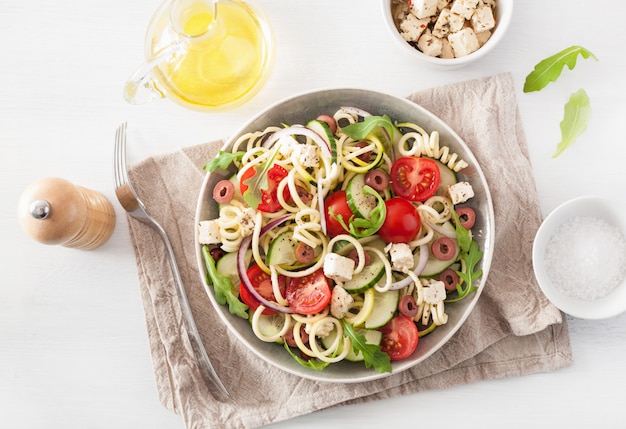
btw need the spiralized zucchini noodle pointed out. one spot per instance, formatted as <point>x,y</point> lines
<point>315,166</point>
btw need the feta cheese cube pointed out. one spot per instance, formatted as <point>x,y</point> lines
<point>442,4</point>
<point>286,144</point>
<point>340,302</point>
<point>401,256</point>
<point>490,3</point>
<point>322,331</point>
<point>483,19</point>
<point>412,28</point>
<point>447,22</point>
<point>429,44</point>
<point>460,192</point>
<point>464,8</point>
<point>434,292</point>
<point>446,49</point>
<point>209,232</point>
<point>483,36</point>
<point>463,42</point>
<point>424,8</point>
<point>337,267</point>
<point>307,155</point>
<point>245,220</point>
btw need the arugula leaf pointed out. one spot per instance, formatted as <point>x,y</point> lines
<point>471,255</point>
<point>466,286</point>
<point>258,182</point>
<point>372,354</point>
<point>315,364</point>
<point>575,118</point>
<point>462,234</point>
<point>359,130</point>
<point>549,69</point>
<point>222,160</point>
<point>223,287</point>
<point>361,227</point>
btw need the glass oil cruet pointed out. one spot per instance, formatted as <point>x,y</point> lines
<point>203,54</point>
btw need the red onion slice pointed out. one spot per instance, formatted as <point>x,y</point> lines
<point>421,264</point>
<point>242,269</point>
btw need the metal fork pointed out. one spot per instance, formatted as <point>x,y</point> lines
<point>135,208</point>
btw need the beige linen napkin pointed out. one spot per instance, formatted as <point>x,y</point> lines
<point>513,330</point>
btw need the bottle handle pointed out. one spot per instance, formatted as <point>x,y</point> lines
<point>142,87</point>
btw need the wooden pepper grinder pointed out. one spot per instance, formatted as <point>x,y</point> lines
<point>54,211</point>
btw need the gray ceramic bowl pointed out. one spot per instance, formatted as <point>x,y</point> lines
<point>299,109</point>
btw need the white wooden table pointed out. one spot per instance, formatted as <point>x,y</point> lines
<point>73,344</point>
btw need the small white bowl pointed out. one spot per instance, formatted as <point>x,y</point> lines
<point>614,213</point>
<point>503,16</point>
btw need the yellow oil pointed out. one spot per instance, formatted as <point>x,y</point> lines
<point>226,57</point>
<point>198,23</point>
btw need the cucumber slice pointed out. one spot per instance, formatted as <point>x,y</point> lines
<point>270,325</point>
<point>435,266</point>
<point>322,128</point>
<point>367,278</point>
<point>227,266</point>
<point>359,202</point>
<point>371,337</point>
<point>344,247</point>
<point>282,251</point>
<point>385,306</point>
<point>448,178</point>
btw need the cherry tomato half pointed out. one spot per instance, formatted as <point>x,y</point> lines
<point>413,178</point>
<point>269,197</point>
<point>338,203</point>
<point>402,222</point>
<point>262,283</point>
<point>400,337</point>
<point>308,294</point>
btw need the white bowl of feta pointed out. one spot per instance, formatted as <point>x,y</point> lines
<point>579,257</point>
<point>447,34</point>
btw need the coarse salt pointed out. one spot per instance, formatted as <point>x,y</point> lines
<point>586,258</point>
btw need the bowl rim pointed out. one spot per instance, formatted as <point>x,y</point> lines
<point>612,210</point>
<point>468,304</point>
<point>504,15</point>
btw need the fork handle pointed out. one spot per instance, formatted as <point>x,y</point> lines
<point>206,368</point>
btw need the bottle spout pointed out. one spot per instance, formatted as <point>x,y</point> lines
<point>141,87</point>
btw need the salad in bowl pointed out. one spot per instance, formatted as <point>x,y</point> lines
<point>344,235</point>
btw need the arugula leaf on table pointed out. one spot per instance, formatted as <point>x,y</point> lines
<point>549,69</point>
<point>360,130</point>
<point>223,287</point>
<point>372,353</point>
<point>575,117</point>
<point>222,160</point>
